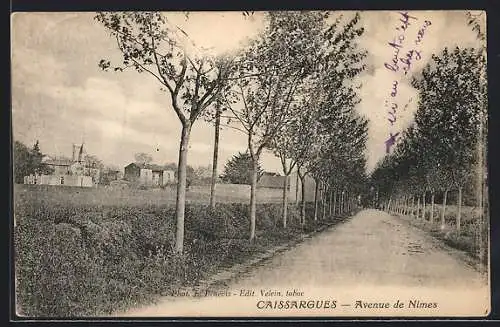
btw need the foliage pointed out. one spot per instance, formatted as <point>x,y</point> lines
<point>22,162</point>
<point>443,150</point>
<point>477,22</point>
<point>150,43</point>
<point>194,79</point>
<point>143,158</point>
<point>28,161</point>
<point>91,260</point>
<point>236,170</point>
<point>109,174</point>
<point>439,150</point>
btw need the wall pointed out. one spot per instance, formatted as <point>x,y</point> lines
<point>168,176</point>
<point>63,180</point>
<point>157,179</point>
<point>132,173</point>
<point>264,194</point>
<point>223,189</point>
<point>296,188</point>
<point>146,177</point>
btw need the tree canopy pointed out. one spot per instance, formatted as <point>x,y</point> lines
<point>28,161</point>
<point>237,168</point>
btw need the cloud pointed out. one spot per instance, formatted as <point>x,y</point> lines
<point>61,96</point>
<point>210,29</point>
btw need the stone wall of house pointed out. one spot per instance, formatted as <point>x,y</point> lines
<point>146,177</point>
<point>168,177</point>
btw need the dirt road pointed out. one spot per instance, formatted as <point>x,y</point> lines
<point>373,258</point>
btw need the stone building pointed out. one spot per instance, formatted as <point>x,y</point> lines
<point>149,174</point>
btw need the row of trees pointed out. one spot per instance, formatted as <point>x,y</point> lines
<point>324,137</point>
<point>444,149</point>
<point>289,90</point>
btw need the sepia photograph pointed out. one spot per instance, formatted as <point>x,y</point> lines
<point>250,164</point>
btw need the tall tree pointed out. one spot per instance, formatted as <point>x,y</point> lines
<point>22,162</point>
<point>290,143</point>
<point>451,105</point>
<point>36,161</point>
<point>271,69</point>
<point>218,113</point>
<point>150,43</point>
<point>335,62</point>
<point>237,168</point>
<point>440,150</point>
<point>143,158</point>
<point>28,161</point>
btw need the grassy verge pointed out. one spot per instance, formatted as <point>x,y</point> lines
<point>93,260</point>
<point>472,238</point>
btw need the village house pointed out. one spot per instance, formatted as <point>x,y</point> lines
<point>149,174</point>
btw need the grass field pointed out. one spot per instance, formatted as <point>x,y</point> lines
<point>105,196</point>
<point>88,251</point>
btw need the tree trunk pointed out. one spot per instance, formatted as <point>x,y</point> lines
<point>389,205</point>
<point>330,203</point>
<point>253,199</point>
<point>443,218</point>
<point>411,203</point>
<point>459,212</point>
<point>432,208</point>
<point>215,158</point>
<point>349,203</point>
<point>412,211</point>
<point>180,201</point>
<point>346,202</point>
<point>303,202</point>
<point>418,207</point>
<point>423,207</point>
<point>334,201</point>
<point>342,203</point>
<point>297,189</point>
<point>316,190</point>
<point>285,199</point>
<point>323,201</point>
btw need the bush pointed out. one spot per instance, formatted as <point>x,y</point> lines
<point>81,261</point>
<point>472,237</point>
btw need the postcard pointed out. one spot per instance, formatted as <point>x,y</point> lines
<point>250,164</point>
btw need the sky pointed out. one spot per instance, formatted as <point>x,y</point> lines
<point>60,96</point>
